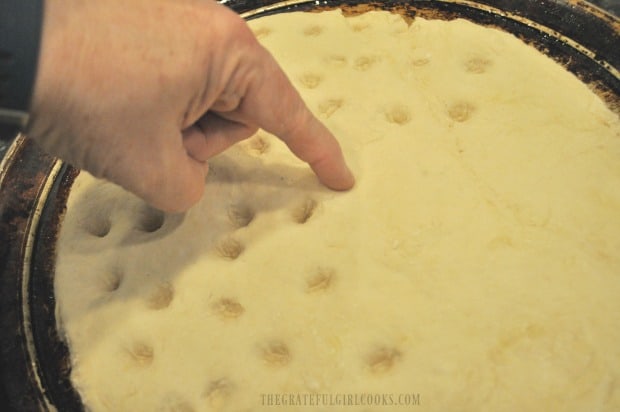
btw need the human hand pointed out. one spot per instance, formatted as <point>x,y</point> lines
<point>143,93</point>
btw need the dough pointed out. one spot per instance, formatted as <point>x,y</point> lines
<point>474,267</point>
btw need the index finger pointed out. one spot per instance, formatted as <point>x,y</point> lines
<point>272,103</point>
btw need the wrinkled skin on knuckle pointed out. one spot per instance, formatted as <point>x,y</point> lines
<point>222,39</point>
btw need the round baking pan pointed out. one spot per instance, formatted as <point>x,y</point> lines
<point>35,363</point>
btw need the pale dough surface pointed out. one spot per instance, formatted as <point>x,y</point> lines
<point>476,262</point>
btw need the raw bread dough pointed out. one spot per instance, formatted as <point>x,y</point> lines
<point>474,267</point>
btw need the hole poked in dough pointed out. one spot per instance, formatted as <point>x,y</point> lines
<point>358,27</point>
<point>98,224</point>
<point>420,61</point>
<point>382,359</point>
<point>111,280</point>
<point>313,30</point>
<point>150,220</point>
<point>218,392</point>
<point>230,248</point>
<point>262,32</point>
<point>461,111</point>
<point>310,80</point>
<point>140,354</point>
<point>240,215</point>
<point>258,145</point>
<point>364,63</point>
<point>276,353</point>
<point>398,114</point>
<point>304,211</point>
<point>161,296</point>
<point>330,106</point>
<point>228,308</point>
<point>477,64</point>
<point>320,280</point>
<point>501,242</point>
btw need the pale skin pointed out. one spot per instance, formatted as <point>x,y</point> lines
<point>144,92</point>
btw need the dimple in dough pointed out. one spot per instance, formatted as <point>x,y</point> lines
<point>476,262</point>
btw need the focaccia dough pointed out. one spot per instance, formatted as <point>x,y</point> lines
<point>475,266</point>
